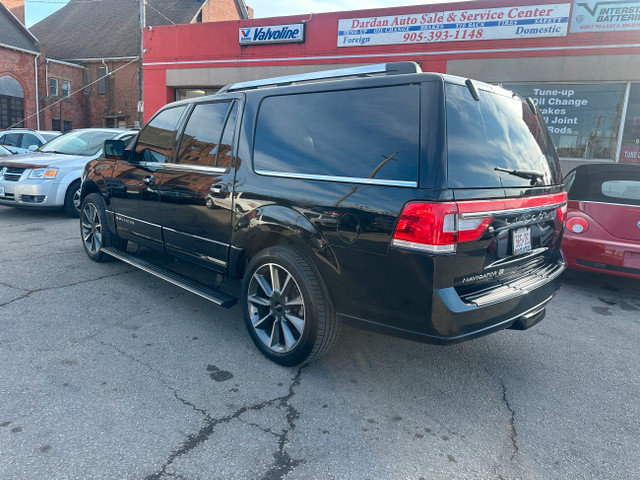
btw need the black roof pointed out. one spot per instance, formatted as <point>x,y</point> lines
<point>106,29</point>
<point>13,33</point>
<point>586,184</point>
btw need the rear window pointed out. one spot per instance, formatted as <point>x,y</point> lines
<point>365,135</point>
<point>622,189</point>
<point>496,131</point>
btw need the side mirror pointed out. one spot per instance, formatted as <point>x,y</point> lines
<point>114,149</point>
<point>32,147</point>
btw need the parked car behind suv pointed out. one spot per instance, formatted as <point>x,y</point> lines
<point>415,204</point>
<point>24,140</point>
<point>50,176</point>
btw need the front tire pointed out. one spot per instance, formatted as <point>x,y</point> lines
<point>286,308</point>
<point>72,199</point>
<point>94,230</point>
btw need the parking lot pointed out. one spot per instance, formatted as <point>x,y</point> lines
<point>110,373</point>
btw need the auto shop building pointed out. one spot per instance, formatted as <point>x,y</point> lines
<point>578,60</point>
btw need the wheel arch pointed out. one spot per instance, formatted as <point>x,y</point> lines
<point>275,225</point>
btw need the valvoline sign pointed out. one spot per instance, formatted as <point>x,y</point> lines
<point>292,33</point>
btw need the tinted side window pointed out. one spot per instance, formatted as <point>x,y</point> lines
<point>156,139</point>
<point>368,133</point>
<point>201,137</point>
<point>28,140</point>
<point>225,154</point>
<point>495,132</point>
<point>12,139</point>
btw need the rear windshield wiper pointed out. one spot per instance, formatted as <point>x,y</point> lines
<point>534,175</point>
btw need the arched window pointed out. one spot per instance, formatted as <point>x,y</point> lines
<point>11,102</point>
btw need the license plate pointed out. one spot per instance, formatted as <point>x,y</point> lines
<point>521,240</point>
<point>1,191</point>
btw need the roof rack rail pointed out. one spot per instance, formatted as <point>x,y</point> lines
<point>393,68</point>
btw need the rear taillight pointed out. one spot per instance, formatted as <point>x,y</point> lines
<point>438,227</point>
<point>577,225</point>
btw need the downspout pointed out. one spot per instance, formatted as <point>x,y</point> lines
<point>37,93</point>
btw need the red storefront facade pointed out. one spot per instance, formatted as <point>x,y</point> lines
<point>578,60</point>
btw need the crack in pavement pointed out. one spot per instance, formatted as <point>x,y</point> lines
<point>283,463</point>
<point>80,282</point>
<point>513,434</point>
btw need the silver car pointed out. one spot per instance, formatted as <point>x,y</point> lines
<point>50,176</point>
<point>25,140</point>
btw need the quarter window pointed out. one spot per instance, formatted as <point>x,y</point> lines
<point>156,139</point>
<point>365,134</point>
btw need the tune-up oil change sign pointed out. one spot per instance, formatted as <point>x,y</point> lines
<point>531,21</point>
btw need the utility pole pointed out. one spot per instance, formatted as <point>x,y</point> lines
<point>143,24</point>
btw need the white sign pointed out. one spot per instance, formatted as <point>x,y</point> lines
<point>532,21</point>
<point>292,33</point>
<point>605,16</point>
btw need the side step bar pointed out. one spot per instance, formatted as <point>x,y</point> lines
<point>208,293</point>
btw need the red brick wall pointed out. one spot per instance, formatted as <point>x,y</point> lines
<point>121,96</point>
<point>16,7</point>
<point>70,109</point>
<point>21,67</point>
<point>220,10</point>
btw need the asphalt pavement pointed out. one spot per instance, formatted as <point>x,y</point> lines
<point>109,373</point>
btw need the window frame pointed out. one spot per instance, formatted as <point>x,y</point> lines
<point>54,81</point>
<point>68,89</point>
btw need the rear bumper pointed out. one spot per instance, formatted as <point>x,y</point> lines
<point>612,257</point>
<point>451,320</point>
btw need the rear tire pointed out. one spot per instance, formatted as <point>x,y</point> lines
<point>94,230</point>
<point>286,308</point>
<point>72,200</point>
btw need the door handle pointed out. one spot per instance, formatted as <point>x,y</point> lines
<point>149,180</point>
<point>217,190</point>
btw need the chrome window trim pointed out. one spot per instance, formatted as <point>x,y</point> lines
<point>503,211</point>
<point>195,168</point>
<point>331,178</point>
<point>195,236</point>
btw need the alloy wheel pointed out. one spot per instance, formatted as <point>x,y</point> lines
<point>276,308</point>
<point>77,199</point>
<point>91,228</point>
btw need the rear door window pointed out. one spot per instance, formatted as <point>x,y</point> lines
<point>496,131</point>
<point>201,138</point>
<point>12,139</point>
<point>369,135</point>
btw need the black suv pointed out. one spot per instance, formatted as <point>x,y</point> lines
<point>414,204</point>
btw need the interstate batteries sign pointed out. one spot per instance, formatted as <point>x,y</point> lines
<point>605,16</point>
<point>531,21</point>
<point>292,33</point>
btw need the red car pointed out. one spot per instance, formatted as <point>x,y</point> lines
<point>602,232</point>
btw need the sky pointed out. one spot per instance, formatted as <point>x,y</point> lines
<point>36,10</point>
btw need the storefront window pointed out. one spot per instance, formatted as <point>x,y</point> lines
<point>583,120</point>
<point>184,93</point>
<point>630,150</point>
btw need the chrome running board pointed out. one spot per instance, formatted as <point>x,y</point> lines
<point>208,293</point>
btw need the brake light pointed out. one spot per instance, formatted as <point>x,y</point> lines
<point>577,225</point>
<point>439,226</point>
